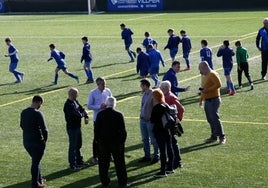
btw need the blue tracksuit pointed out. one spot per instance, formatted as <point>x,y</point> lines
<point>186,46</point>
<point>170,75</point>
<point>173,45</point>
<point>148,41</point>
<point>86,55</point>
<point>143,63</point>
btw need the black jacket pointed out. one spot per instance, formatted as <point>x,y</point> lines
<point>110,126</point>
<point>73,113</point>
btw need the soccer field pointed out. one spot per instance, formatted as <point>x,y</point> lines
<point>241,162</point>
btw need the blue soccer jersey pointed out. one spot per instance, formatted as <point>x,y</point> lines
<point>58,56</point>
<point>206,55</point>
<point>155,58</point>
<point>226,53</point>
<point>127,36</point>
<point>86,55</point>
<point>148,41</point>
<point>143,63</point>
<point>173,42</point>
<point>13,53</point>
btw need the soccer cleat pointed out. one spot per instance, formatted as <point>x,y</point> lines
<point>228,91</point>
<point>263,78</point>
<point>54,83</point>
<point>160,175</point>
<point>132,60</point>
<point>134,54</point>
<point>77,80</point>
<point>17,81</point>
<point>222,140</point>
<point>22,76</point>
<point>251,86</point>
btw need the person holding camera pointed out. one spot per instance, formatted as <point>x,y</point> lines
<point>74,112</point>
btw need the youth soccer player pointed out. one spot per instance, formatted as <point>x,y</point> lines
<point>127,37</point>
<point>206,53</point>
<point>227,53</point>
<point>87,58</point>
<point>173,44</point>
<point>143,63</point>
<point>155,58</point>
<point>14,60</point>
<point>242,64</point>
<point>59,57</point>
<point>186,48</point>
<point>148,40</point>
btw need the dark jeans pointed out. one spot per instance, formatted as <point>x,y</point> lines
<point>165,147</point>
<point>117,150</point>
<point>176,151</point>
<point>264,62</point>
<point>212,113</point>
<point>75,144</point>
<point>243,67</point>
<point>36,151</point>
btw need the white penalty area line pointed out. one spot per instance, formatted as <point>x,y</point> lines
<point>223,121</point>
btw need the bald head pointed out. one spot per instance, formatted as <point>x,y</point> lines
<point>204,68</point>
<point>73,93</point>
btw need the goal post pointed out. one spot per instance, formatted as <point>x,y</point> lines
<point>89,6</point>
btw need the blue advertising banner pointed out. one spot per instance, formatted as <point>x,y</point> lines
<point>134,5</point>
<point>2,6</point>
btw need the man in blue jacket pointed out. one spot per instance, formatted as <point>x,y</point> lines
<point>262,45</point>
<point>170,75</point>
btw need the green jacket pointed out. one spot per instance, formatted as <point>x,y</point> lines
<point>241,55</point>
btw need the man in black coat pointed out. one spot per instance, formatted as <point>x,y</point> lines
<point>34,138</point>
<point>74,112</point>
<point>111,135</point>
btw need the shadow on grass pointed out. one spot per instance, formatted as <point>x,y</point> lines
<point>55,175</point>
<point>190,100</point>
<point>133,147</point>
<point>108,65</point>
<point>197,147</point>
<point>38,90</point>
<point>131,94</point>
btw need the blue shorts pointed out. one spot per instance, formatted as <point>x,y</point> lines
<point>127,46</point>
<point>62,67</point>
<point>227,71</point>
<point>186,55</point>
<point>154,70</point>
<point>12,66</point>
<point>173,52</point>
<point>87,63</point>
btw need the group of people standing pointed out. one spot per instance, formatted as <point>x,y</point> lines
<point>109,141</point>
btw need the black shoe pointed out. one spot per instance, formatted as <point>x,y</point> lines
<point>179,165</point>
<point>144,160</point>
<point>251,87</point>
<point>160,175</point>
<point>154,160</point>
<point>127,185</point>
<point>169,171</point>
<point>75,168</point>
<point>82,164</point>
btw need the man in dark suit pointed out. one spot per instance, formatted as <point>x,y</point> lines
<point>111,135</point>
